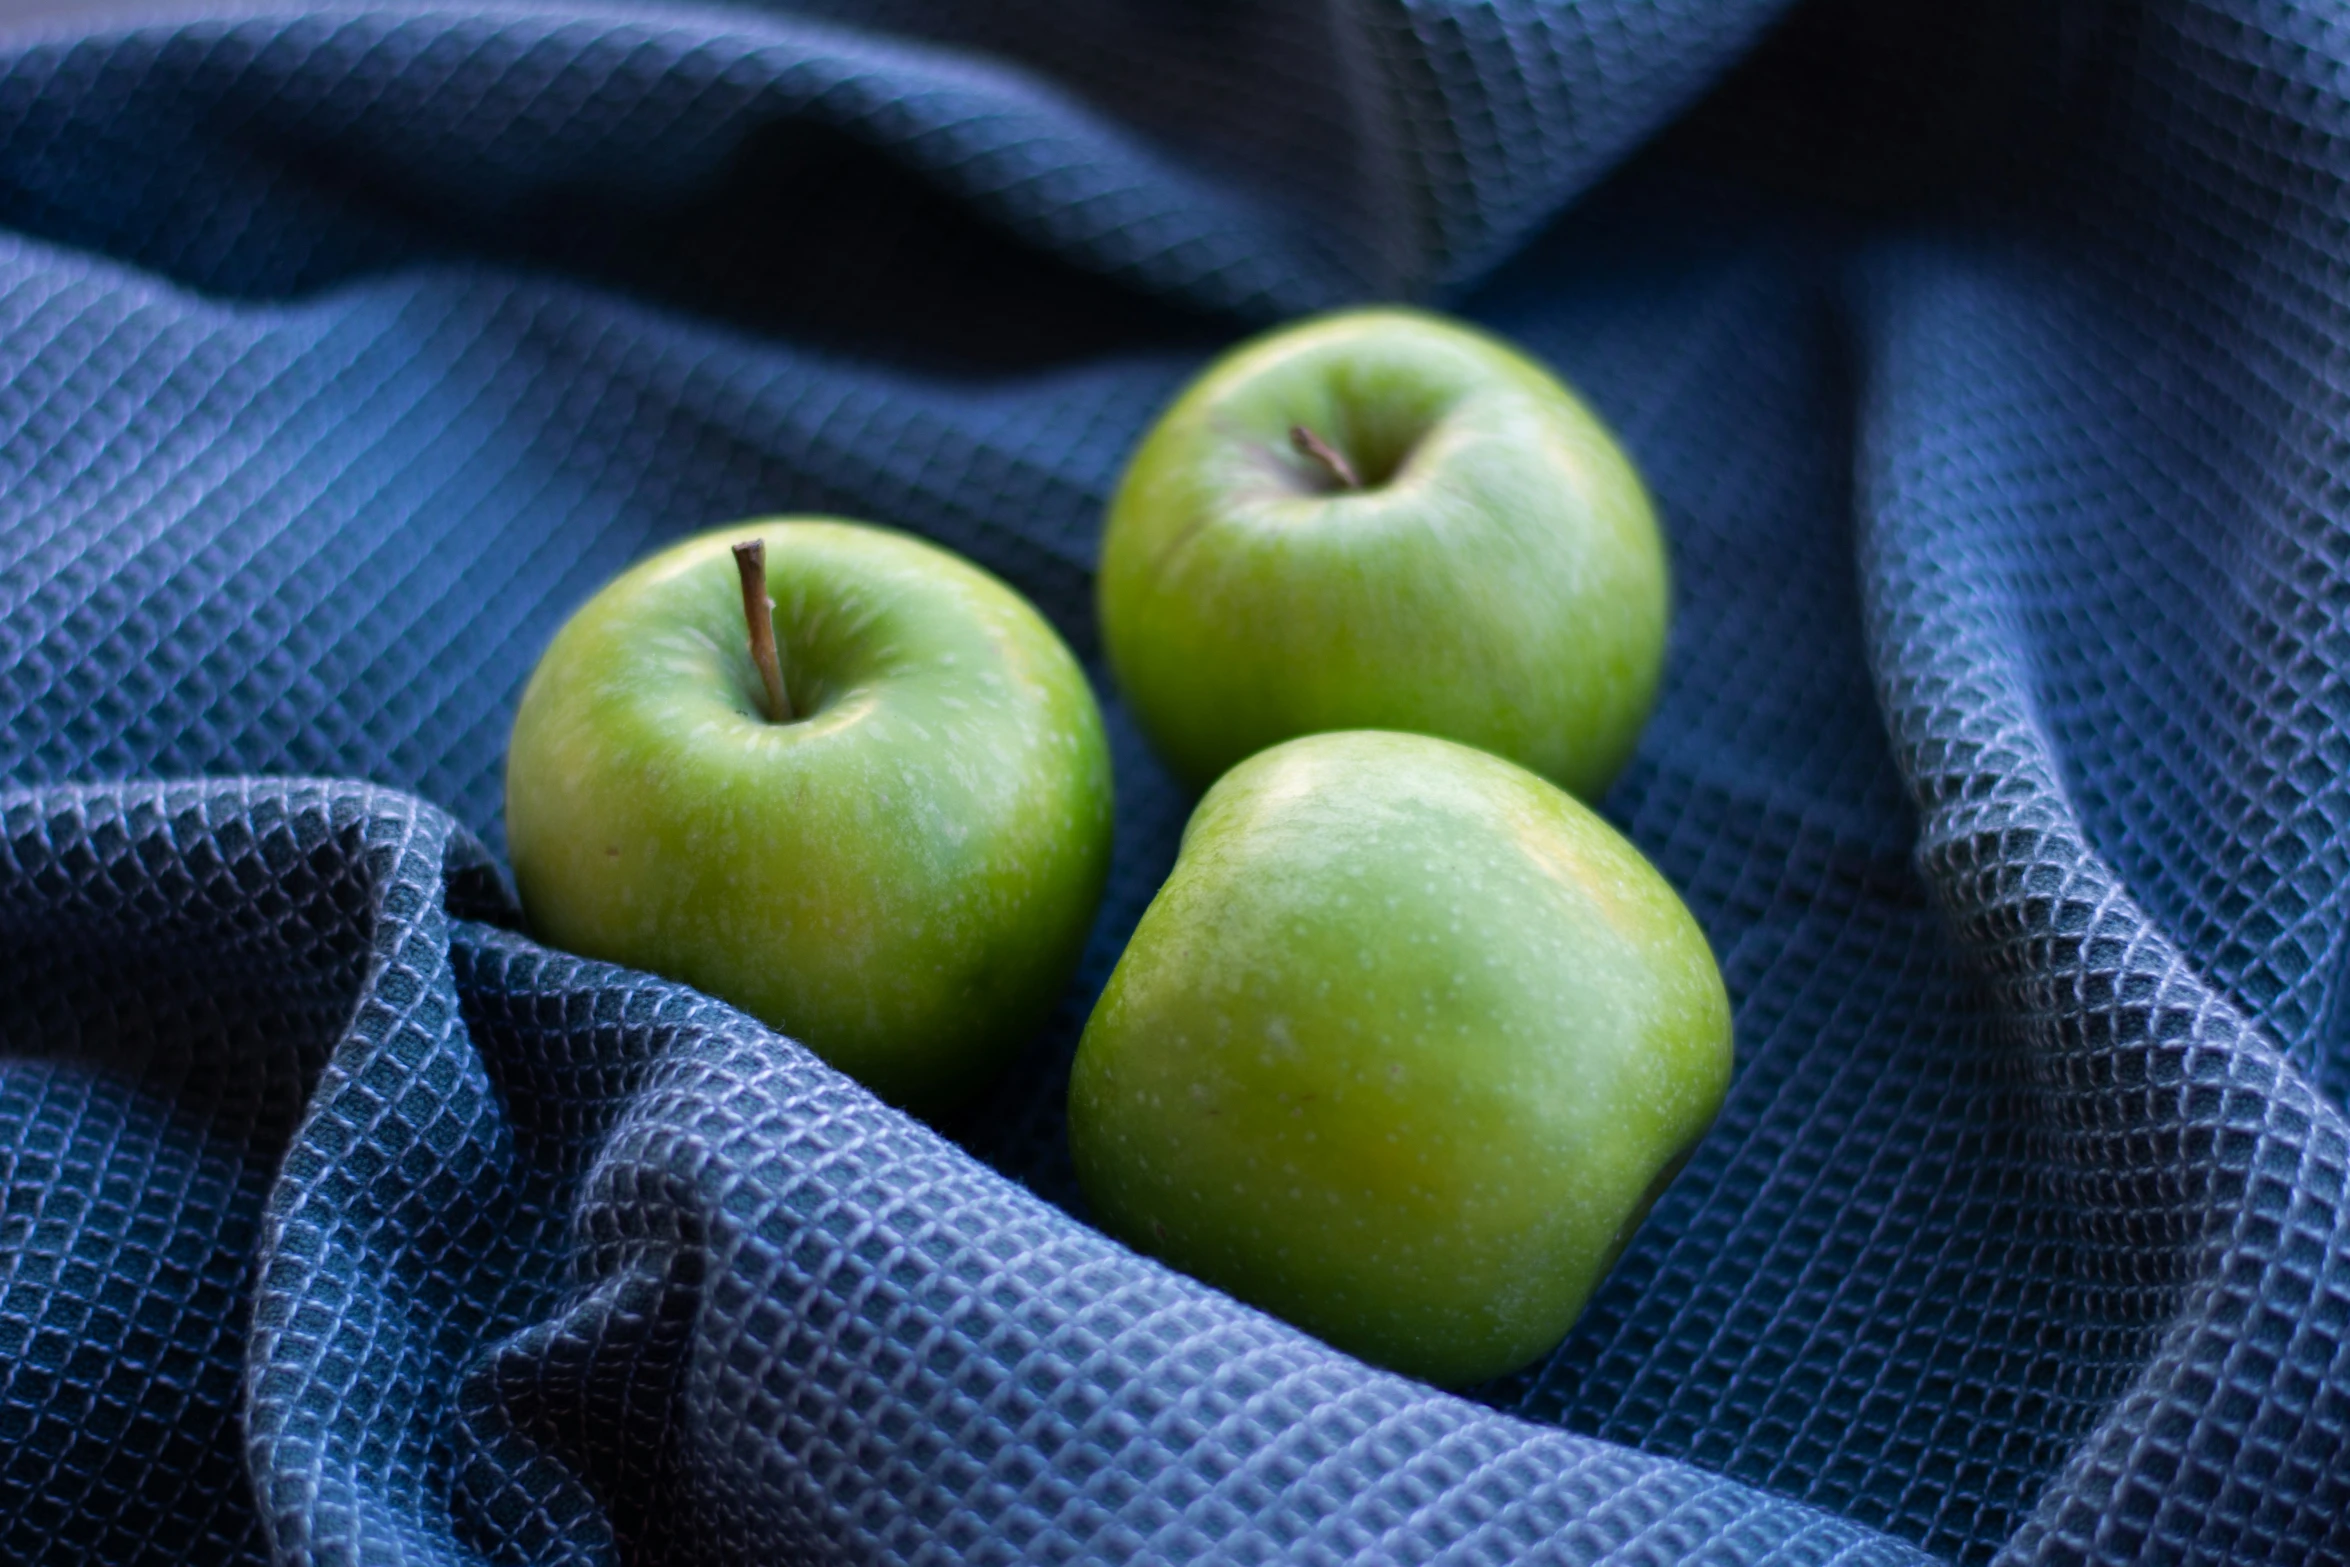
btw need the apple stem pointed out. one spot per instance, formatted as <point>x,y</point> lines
<point>750,561</point>
<point>1312,445</point>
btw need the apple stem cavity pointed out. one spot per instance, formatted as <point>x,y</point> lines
<point>1311,445</point>
<point>750,561</point>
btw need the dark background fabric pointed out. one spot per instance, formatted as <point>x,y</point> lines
<point>1992,369</point>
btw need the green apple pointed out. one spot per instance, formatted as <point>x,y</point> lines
<point>900,873</point>
<point>1402,1052</point>
<point>1385,520</point>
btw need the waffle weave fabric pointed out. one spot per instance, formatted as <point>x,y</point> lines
<point>1988,364</point>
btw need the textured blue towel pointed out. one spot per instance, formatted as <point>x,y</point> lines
<point>1992,367</point>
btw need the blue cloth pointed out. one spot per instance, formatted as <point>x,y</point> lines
<point>1991,366</point>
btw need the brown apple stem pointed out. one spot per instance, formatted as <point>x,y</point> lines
<point>750,560</point>
<point>1312,445</point>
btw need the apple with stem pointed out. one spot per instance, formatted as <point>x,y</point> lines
<point>1385,520</point>
<point>875,815</point>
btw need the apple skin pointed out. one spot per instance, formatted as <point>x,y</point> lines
<point>902,880</point>
<point>1499,580</point>
<point>1402,1052</point>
